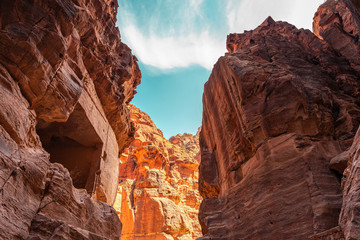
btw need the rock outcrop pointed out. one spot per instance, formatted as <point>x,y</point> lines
<point>338,23</point>
<point>277,109</point>
<point>65,80</point>
<point>158,195</point>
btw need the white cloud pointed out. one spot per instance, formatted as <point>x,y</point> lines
<point>248,14</point>
<point>170,52</point>
<point>195,4</point>
<point>176,34</point>
<point>173,41</point>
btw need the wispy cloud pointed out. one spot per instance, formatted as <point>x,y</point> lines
<point>195,4</point>
<point>172,35</point>
<point>248,14</point>
<point>168,34</point>
<point>170,52</point>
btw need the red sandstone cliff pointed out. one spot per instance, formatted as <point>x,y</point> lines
<point>65,79</point>
<point>158,195</point>
<point>277,109</point>
<point>338,23</point>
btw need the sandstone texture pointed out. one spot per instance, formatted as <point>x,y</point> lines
<point>158,195</point>
<point>278,108</point>
<point>350,215</point>
<point>331,234</point>
<point>338,22</point>
<point>65,81</point>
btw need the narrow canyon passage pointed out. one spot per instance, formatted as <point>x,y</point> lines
<point>277,156</point>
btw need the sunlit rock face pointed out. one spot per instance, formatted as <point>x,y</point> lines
<point>278,108</point>
<point>158,195</point>
<point>65,79</point>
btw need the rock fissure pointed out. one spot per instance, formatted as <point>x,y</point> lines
<point>6,180</point>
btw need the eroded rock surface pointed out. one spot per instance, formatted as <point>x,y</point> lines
<point>158,195</point>
<point>338,22</point>
<point>65,79</point>
<point>277,108</point>
<point>350,216</point>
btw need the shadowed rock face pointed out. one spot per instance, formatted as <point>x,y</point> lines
<point>277,108</point>
<point>158,195</point>
<point>339,24</point>
<point>350,217</point>
<point>65,79</point>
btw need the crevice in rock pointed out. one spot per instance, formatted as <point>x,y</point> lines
<point>12,174</point>
<point>337,174</point>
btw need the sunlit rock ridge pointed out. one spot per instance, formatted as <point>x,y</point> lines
<point>158,195</point>
<point>280,113</point>
<point>65,81</point>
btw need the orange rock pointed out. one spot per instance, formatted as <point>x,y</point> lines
<point>158,184</point>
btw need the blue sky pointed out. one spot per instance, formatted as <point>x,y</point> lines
<point>177,43</point>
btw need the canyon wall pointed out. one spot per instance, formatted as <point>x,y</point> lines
<point>280,113</point>
<point>65,81</point>
<point>158,195</point>
<point>338,23</point>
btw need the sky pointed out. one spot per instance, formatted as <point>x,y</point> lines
<point>177,42</point>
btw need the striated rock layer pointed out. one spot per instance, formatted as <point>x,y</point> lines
<point>158,195</point>
<point>65,79</point>
<point>278,108</point>
<point>350,215</point>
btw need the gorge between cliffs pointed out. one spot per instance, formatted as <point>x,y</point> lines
<point>277,155</point>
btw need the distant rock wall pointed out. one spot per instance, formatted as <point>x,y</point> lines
<point>158,195</point>
<point>65,81</point>
<point>278,108</point>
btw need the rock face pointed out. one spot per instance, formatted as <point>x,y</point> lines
<point>350,217</point>
<point>65,79</point>
<point>338,22</point>
<point>277,109</point>
<point>158,195</point>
